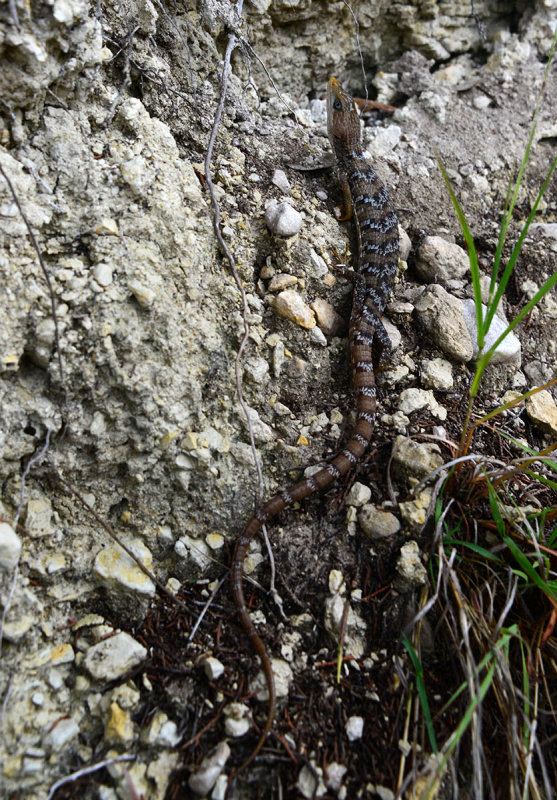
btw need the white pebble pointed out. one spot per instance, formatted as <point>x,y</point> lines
<point>282,219</point>
<point>10,547</point>
<point>213,668</point>
<point>103,274</point>
<point>211,767</point>
<point>358,495</point>
<point>354,728</point>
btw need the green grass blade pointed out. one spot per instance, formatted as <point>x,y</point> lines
<point>472,253</point>
<point>492,308</point>
<point>475,548</point>
<point>422,693</point>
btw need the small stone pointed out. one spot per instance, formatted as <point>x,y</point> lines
<point>354,728</point>
<point>542,411</point>
<point>215,541</point>
<point>414,512</point>
<point>308,785</point>
<point>39,517</point>
<point>290,305</point>
<point>335,775</point>
<point>116,570</point>
<point>213,668</point>
<point>416,399</point>
<point>283,678</point>
<point>416,459</point>
<point>161,732</point>
<point>256,369</point>
<point>107,227</point>
<point>317,336</point>
<point>442,316</point>
<point>62,654</point>
<point>437,373</point>
<point>135,174</point>
<point>113,657</point>
<point>61,734</point>
<point>329,321</point>
<point>393,333</point>
<point>236,727</point>
<point>209,770</point>
<point>103,274</point>
<point>410,569</point>
<point>507,351</point>
<point>10,547</point>
<point>441,260</point>
<point>281,181</point>
<point>119,728</point>
<point>15,629</point>
<point>282,281</point>
<point>282,219</point>
<point>378,525</point>
<point>337,584</point>
<point>236,723</point>
<point>358,495</point>
<point>353,625</point>
<point>143,294</point>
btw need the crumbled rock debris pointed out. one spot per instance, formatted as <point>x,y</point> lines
<point>104,122</point>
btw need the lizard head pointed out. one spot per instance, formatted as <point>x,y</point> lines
<point>343,121</point>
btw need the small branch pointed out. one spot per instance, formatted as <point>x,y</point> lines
<point>86,771</point>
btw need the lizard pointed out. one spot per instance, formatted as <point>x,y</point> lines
<point>366,199</point>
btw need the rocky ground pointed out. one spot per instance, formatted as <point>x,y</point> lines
<point>121,321</point>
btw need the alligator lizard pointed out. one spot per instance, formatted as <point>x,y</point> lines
<point>375,267</point>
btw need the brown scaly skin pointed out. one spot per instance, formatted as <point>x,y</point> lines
<point>373,277</point>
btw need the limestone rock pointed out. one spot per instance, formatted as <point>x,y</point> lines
<point>542,411</point>
<point>282,219</point>
<point>441,260</point>
<point>290,304</point>
<point>10,547</point>
<point>437,373</point>
<point>411,571</point>
<point>416,459</point>
<point>377,525</point>
<point>442,316</point>
<point>113,657</point>
<point>507,351</point>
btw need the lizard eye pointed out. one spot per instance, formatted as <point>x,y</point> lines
<point>337,105</point>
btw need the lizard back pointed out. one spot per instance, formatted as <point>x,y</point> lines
<point>373,278</point>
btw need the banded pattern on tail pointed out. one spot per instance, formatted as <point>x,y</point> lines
<point>373,277</point>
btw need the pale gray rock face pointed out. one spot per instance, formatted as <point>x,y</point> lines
<point>111,658</point>
<point>442,316</point>
<point>508,351</point>
<point>109,174</point>
<point>439,260</point>
<point>282,219</point>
